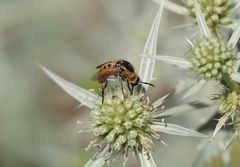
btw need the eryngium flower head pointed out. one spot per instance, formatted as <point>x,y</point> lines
<point>229,102</point>
<point>228,106</point>
<point>212,58</point>
<point>124,122</point>
<point>215,12</point>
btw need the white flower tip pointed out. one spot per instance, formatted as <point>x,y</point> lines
<point>43,68</point>
<point>189,41</point>
<point>80,94</point>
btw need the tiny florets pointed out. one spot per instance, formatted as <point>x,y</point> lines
<point>212,58</point>
<point>215,12</point>
<point>124,122</point>
<point>229,102</point>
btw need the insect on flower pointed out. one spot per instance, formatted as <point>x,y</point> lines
<point>130,123</point>
<point>121,69</point>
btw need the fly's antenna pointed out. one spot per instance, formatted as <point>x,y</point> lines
<point>146,83</point>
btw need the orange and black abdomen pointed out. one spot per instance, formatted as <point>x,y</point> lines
<point>131,77</point>
<point>106,70</point>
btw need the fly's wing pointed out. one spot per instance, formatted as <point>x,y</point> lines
<point>99,66</point>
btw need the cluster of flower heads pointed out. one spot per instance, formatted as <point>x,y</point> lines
<point>214,58</point>
<point>130,122</point>
<point>211,56</point>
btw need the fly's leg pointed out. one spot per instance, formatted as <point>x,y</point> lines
<point>121,82</point>
<point>130,88</point>
<point>103,88</point>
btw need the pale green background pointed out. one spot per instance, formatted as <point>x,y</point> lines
<point>37,119</point>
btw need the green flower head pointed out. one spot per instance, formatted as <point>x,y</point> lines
<point>215,12</point>
<point>212,58</point>
<point>229,102</point>
<point>124,122</point>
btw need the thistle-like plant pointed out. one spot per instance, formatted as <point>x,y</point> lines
<point>229,105</point>
<point>124,122</point>
<point>211,58</point>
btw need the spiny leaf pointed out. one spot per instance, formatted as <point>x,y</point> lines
<point>175,111</point>
<point>176,61</point>
<point>235,36</point>
<point>175,130</point>
<point>161,100</point>
<point>147,65</point>
<point>80,94</point>
<point>220,124</point>
<point>201,21</point>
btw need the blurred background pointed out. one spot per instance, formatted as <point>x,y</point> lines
<point>71,37</point>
